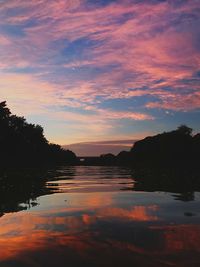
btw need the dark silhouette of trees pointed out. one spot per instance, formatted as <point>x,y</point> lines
<point>185,130</point>
<point>165,162</point>
<point>24,144</point>
<point>166,149</point>
<point>123,158</point>
<point>107,159</point>
<point>196,149</point>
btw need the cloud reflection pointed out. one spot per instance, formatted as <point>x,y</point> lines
<point>77,234</point>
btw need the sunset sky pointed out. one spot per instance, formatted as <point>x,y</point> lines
<point>100,70</point>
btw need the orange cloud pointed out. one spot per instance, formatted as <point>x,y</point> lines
<point>74,233</point>
<point>40,228</point>
<point>138,213</point>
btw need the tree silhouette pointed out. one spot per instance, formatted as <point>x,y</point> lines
<point>167,149</point>
<point>183,129</point>
<point>23,143</point>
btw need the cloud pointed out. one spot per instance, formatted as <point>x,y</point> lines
<point>44,102</point>
<point>178,102</point>
<point>78,54</point>
<point>100,147</point>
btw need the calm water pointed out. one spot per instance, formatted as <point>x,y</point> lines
<point>91,216</point>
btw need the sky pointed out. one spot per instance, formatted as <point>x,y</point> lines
<point>101,71</point>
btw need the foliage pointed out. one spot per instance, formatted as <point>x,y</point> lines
<point>24,144</point>
<point>178,148</point>
<point>169,148</point>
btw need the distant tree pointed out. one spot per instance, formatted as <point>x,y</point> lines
<point>107,159</point>
<point>123,158</point>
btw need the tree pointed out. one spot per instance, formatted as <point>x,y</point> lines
<point>23,143</point>
<point>183,129</point>
<point>168,148</point>
<point>4,111</point>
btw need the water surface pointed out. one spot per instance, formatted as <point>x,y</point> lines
<point>91,216</point>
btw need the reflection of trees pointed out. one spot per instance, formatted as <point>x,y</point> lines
<point>185,196</point>
<point>182,182</point>
<point>21,187</point>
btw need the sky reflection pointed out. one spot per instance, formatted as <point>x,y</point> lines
<point>100,229</point>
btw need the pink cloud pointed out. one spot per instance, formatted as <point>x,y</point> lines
<point>178,102</point>
<point>137,45</point>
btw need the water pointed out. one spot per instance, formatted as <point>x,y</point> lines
<point>91,216</point>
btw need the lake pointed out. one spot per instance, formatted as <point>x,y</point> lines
<point>94,216</point>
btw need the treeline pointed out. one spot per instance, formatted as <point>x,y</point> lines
<point>169,149</point>
<point>24,144</point>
